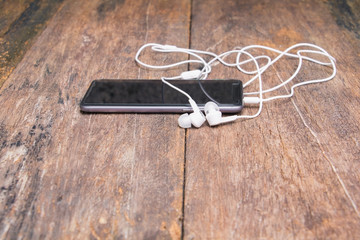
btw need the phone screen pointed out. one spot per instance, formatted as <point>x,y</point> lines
<point>156,96</point>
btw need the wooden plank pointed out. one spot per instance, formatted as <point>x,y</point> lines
<point>20,22</point>
<point>65,174</point>
<point>347,15</point>
<point>9,12</point>
<point>293,172</point>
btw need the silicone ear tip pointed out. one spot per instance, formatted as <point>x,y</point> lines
<point>184,121</point>
<point>197,119</point>
<point>210,105</point>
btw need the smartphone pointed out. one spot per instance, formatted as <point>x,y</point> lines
<point>154,96</point>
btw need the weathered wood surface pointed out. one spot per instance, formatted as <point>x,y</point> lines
<point>291,173</point>
<point>294,171</point>
<point>20,22</point>
<point>70,175</point>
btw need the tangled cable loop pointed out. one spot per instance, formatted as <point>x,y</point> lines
<point>305,48</point>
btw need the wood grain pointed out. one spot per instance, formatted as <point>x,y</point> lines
<point>293,172</point>
<point>347,14</point>
<point>9,12</point>
<point>20,22</point>
<point>68,175</point>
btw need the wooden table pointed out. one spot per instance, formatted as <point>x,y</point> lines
<point>291,173</point>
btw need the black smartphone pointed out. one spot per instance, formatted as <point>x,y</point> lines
<point>154,96</point>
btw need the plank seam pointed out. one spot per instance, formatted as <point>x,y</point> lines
<point>184,189</point>
<point>185,138</point>
<point>146,32</point>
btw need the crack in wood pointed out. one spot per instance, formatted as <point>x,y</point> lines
<point>313,133</point>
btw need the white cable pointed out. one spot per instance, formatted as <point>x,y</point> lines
<point>260,88</point>
<point>163,79</point>
<point>259,70</point>
<point>168,49</point>
<point>281,54</point>
<point>184,75</point>
<point>304,83</point>
<point>301,58</point>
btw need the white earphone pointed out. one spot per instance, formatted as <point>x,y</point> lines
<point>195,118</point>
<point>211,109</point>
<point>214,116</point>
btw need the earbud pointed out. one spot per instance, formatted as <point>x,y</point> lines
<point>214,116</point>
<point>196,118</point>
